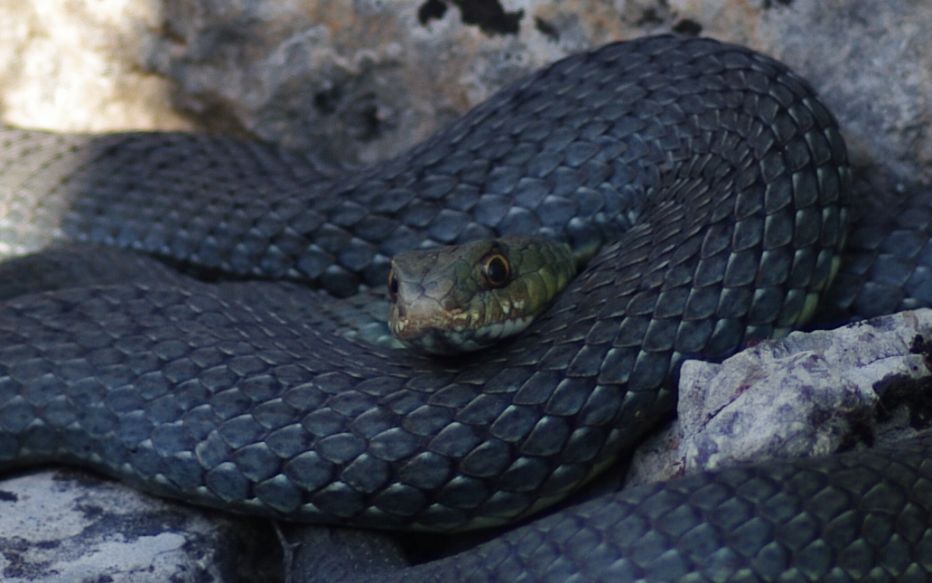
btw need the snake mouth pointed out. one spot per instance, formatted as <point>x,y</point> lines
<point>450,332</point>
<point>432,331</point>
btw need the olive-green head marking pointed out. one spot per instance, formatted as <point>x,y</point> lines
<point>465,297</point>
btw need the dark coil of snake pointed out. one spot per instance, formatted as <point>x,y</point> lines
<point>718,187</point>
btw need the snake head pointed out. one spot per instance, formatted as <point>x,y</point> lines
<point>461,298</point>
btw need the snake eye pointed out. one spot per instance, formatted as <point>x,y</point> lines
<point>496,269</point>
<point>392,286</point>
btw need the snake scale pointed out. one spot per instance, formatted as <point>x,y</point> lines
<point>712,177</point>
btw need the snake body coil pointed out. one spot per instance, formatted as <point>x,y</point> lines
<point>712,176</point>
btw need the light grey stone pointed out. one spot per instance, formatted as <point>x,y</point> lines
<point>807,394</point>
<point>63,525</point>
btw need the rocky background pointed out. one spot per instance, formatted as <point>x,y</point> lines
<point>358,80</point>
<point>363,79</point>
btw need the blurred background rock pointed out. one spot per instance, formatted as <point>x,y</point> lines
<point>360,80</point>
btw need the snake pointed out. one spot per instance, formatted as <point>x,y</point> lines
<point>175,310</point>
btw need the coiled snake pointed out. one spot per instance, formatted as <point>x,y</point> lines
<point>712,177</point>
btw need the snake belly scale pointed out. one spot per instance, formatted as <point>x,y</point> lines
<point>713,178</point>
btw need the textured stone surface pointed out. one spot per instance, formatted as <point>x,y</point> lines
<point>808,394</point>
<point>64,526</point>
<point>366,79</point>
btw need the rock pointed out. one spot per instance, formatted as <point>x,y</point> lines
<point>363,80</point>
<point>807,394</point>
<point>63,525</point>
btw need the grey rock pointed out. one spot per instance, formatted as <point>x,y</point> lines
<point>362,80</point>
<point>64,525</point>
<point>807,394</point>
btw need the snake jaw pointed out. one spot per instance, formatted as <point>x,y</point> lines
<point>425,325</point>
<point>505,328</point>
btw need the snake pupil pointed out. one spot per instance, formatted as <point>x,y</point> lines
<point>497,270</point>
